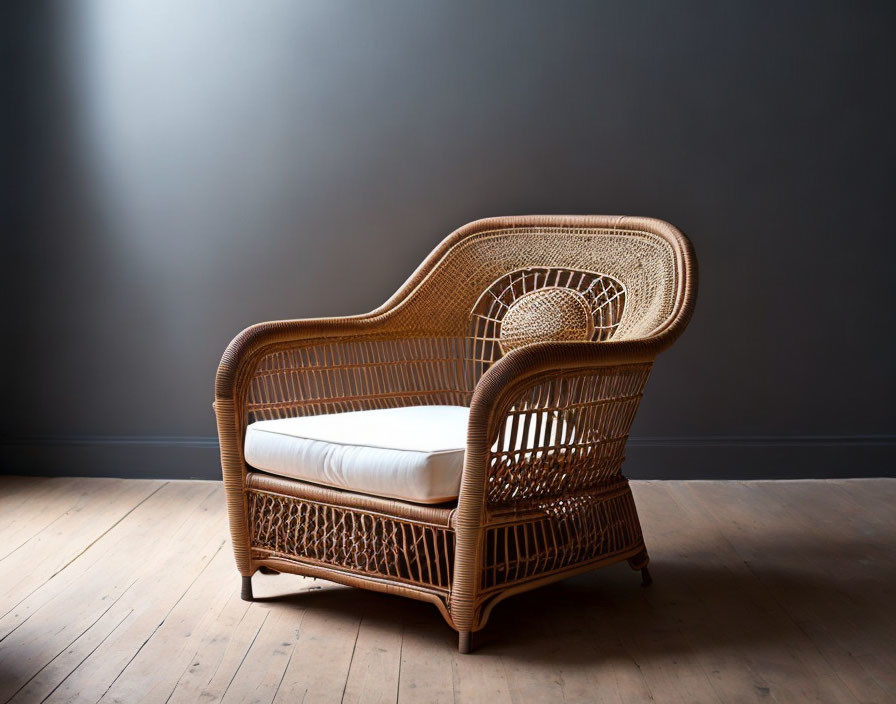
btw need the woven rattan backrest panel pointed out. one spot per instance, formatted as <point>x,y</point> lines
<point>543,304</point>
<point>642,263</point>
<point>435,344</point>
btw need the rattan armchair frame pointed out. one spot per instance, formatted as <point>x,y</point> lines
<point>542,495</point>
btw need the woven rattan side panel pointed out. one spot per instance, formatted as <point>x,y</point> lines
<point>358,375</point>
<point>351,539</point>
<point>561,535</point>
<point>564,435</point>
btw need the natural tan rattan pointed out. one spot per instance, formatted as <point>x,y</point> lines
<point>546,327</point>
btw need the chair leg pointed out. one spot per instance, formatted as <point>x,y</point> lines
<point>639,562</point>
<point>246,590</point>
<point>463,642</point>
<point>646,579</point>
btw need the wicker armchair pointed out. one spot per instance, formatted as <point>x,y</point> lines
<point>546,328</point>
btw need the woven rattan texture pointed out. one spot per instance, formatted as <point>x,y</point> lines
<point>358,375</point>
<point>564,534</point>
<point>546,327</point>
<point>564,434</point>
<point>351,539</point>
<point>641,263</point>
<point>542,304</point>
<point>331,377</point>
<point>548,315</point>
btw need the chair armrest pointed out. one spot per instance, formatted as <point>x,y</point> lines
<point>237,382</point>
<point>257,338</point>
<point>311,367</point>
<point>565,405</point>
<point>548,425</point>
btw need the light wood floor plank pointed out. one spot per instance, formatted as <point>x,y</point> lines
<point>319,667</point>
<point>51,548</point>
<point>262,670</point>
<point>63,616</point>
<point>759,651</point>
<point>229,660</point>
<point>29,507</point>
<point>483,679</point>
<point>426,673</point>
<point>125,591</point>
<point>172,650</point>
<point>164,578</point>
<point>754,528</point>
<point>841,615</point>
<point>376,664</point>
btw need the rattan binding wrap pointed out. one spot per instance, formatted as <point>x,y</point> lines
<point>547,327</point>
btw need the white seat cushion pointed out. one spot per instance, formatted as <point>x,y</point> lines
<point>415,453</point>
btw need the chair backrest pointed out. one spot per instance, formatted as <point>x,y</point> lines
<point>504,282</point>
<point>490,287</point>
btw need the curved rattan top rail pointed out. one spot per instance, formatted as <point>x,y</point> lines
<point>546,326</point>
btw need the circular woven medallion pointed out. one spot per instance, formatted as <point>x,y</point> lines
<point>546,315</point>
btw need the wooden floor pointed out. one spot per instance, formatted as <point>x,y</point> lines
<point>126,591</point>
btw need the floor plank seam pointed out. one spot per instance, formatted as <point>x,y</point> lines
<point>291,653</point>
<point>196,653</point>
<point>400,653</point>
<point>105,532</point>
<point>86,657</point>
<point>211,677</point>
<point>245,655</point>
<point>66,565</point>
<point>195,656</point>
<point>127,664</point>
<point>75,640</point>
<point>770,593</point>
<point>183,672</point>
<point>28,540</point>
<point>164,618</point>
<point>351,660</point>
<point>676,499</point>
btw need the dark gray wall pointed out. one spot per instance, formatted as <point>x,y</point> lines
<point>178,170</point>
